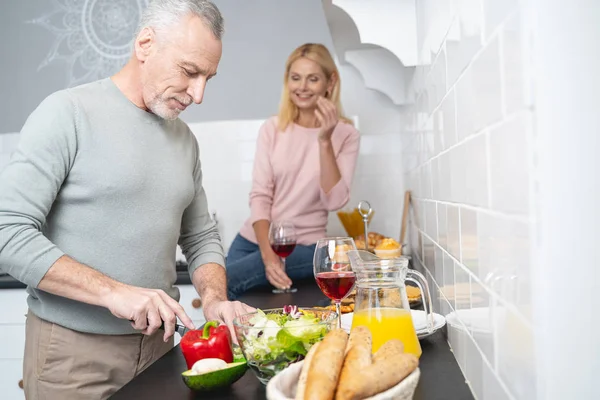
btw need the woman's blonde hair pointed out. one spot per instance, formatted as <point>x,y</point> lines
<point>288,111</point>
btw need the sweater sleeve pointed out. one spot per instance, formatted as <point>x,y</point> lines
<point>29,185</point>
<point>339,195</point>
<point>261,194</point>
<point>199,237</point>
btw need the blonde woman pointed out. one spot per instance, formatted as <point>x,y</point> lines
<point>303,169</point>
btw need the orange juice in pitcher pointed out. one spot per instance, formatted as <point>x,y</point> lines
<point>387,323</point>
<point>381,303</point>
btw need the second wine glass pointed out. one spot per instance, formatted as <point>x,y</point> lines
<point>282,237</point>
<point>333,271</point>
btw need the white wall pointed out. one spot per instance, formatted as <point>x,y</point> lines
<point>566,61</point>
<point>469,162</point>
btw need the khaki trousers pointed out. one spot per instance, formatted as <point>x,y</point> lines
<point>63,364</point>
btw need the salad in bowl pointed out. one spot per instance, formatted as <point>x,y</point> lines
<point>273,339</point>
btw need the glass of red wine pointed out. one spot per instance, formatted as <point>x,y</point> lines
<point>333,271</point>
<point>282,236</point>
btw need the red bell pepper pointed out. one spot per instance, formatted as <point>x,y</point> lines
<point>214,341</point>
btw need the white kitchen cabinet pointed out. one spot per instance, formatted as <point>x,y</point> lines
<point>12,338</point>
<point>11,372</point>
<point>191,303</point>
<point>14,306</point>
<point>12,342</point>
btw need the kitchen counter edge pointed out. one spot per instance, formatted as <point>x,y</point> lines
<point>8,282</point>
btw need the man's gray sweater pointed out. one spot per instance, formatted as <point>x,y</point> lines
<point>112,186</point>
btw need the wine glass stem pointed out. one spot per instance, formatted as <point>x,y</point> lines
<point>283,266</point>
<point>339,313</point>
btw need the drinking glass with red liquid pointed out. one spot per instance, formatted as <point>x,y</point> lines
<point>332,269</point>
<point>282,237</point>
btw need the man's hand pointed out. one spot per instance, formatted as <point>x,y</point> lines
<point>225,312</point>
<point>210,282</point>
<point>274,270</point>
<point>147,309</point>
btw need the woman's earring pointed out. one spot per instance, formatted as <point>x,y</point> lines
<point>327,94</point>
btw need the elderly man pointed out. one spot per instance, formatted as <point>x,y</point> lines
<point>105,182</point>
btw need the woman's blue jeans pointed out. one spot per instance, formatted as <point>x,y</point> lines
<point>246,270</point>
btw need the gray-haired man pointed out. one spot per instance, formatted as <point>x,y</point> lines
<point>105,182</point>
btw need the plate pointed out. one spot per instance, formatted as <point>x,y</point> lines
<point>476,320</point>
<point>438,322</point>
<point>419,321</point>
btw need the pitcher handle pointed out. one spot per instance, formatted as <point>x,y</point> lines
<point>421,283</point>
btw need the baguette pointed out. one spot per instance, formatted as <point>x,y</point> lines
<point>326,364</point>
<point>358,357</point>
<point>304,374</point>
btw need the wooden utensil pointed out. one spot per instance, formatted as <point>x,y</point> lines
<point>404,216</point>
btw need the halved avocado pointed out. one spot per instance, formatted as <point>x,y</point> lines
<point>215,379</point>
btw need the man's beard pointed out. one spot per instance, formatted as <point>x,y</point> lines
<point>158,105</point>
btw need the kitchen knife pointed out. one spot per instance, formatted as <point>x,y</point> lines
<point>182,330</point>
<point>178,328</point>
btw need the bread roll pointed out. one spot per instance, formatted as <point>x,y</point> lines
<point>359,348</point>
<point>358,356</point>
<point>325,367</point>
<point>388,371</point>
<point>389,349</point>
<point>304,374</point>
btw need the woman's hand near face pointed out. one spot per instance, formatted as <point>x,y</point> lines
<point>326,113</point>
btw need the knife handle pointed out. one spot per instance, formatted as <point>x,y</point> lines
<point>178,328</point>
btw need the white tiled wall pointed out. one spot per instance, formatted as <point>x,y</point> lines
<point>227,155</point>
<point>467,161</point>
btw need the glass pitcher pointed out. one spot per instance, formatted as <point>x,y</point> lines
<point>381,303</point>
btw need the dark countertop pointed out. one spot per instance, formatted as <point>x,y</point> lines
<point>440,379</point>
<point>8,282</point>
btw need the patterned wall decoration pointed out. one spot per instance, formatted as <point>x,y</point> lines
<point>92,37</point>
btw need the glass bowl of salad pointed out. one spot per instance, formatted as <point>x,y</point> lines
<point>275,338</point>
